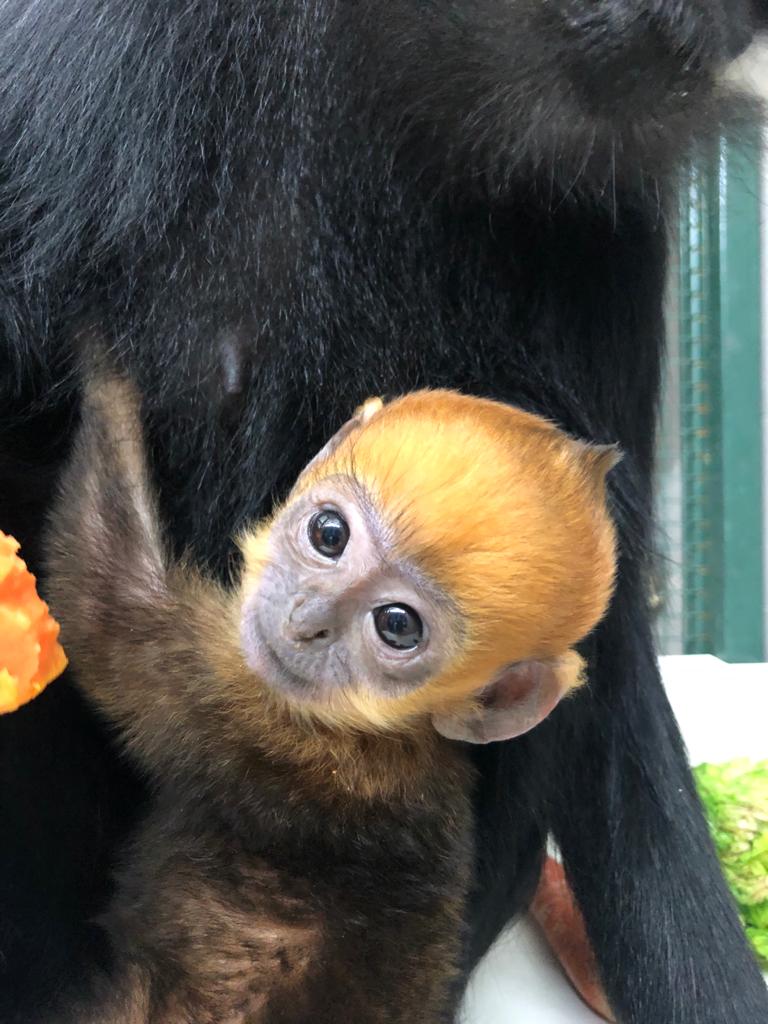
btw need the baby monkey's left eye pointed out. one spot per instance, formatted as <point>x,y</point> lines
<point>328,533</point>
<point>398,626</point>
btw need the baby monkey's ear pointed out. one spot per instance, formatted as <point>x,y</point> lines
<point>599,460</point>
<point>361,416</point>
<point>520,697</point>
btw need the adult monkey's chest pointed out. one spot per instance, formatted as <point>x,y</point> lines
<point>331,252</point>
<point>251,352</point>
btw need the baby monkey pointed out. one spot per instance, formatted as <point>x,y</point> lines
<point>309,850</point>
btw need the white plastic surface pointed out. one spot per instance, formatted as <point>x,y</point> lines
<point>723,713</point>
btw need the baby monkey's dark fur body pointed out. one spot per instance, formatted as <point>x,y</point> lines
<point>258,907</point>
<point>323,883</point>
<point>320,918</point>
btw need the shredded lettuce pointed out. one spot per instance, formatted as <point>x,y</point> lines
<point>735,797</point>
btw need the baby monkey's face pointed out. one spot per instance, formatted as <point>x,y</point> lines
<point>436,561</point>
<point>332,608</point>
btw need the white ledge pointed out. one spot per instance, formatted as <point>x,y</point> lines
<point>723,713</point>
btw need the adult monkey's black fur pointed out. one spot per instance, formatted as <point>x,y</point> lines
<point>275,210</point>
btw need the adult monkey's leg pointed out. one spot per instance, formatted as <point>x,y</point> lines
<point>638,853</point>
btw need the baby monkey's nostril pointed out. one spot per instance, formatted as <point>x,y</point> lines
<point>312,618</point>
<point>306,635</point>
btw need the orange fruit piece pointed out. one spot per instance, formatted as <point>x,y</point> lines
<point>30,653</point>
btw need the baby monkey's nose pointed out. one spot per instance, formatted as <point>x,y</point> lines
<point>310,618</point>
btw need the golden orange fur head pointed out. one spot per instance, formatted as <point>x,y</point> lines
<point>502,510</point>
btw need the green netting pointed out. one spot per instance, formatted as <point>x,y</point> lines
<point>709,590</point>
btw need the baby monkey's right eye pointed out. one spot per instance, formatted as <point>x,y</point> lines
<point>328,533</point>
<point>399,626</point>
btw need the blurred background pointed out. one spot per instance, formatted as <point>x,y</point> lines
<point>710,590</point>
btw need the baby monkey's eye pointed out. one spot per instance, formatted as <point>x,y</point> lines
<point>328,533</point>
<point>398,626</point>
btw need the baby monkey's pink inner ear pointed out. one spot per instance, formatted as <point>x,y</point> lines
<point>520,697</point>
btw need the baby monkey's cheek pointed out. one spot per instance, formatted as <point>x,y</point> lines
<point>252,629</point>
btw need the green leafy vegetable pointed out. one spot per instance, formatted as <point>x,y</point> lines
<point>735,797</point>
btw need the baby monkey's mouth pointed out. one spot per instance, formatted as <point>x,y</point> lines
<point>276,670</point>
<point>277,675</point>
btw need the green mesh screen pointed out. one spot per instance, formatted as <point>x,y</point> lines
<point>708,590</point>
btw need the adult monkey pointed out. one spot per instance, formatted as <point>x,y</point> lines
<point>274,211</point>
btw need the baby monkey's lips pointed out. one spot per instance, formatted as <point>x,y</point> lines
<point>276,674</point>
<point>271,666</point>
